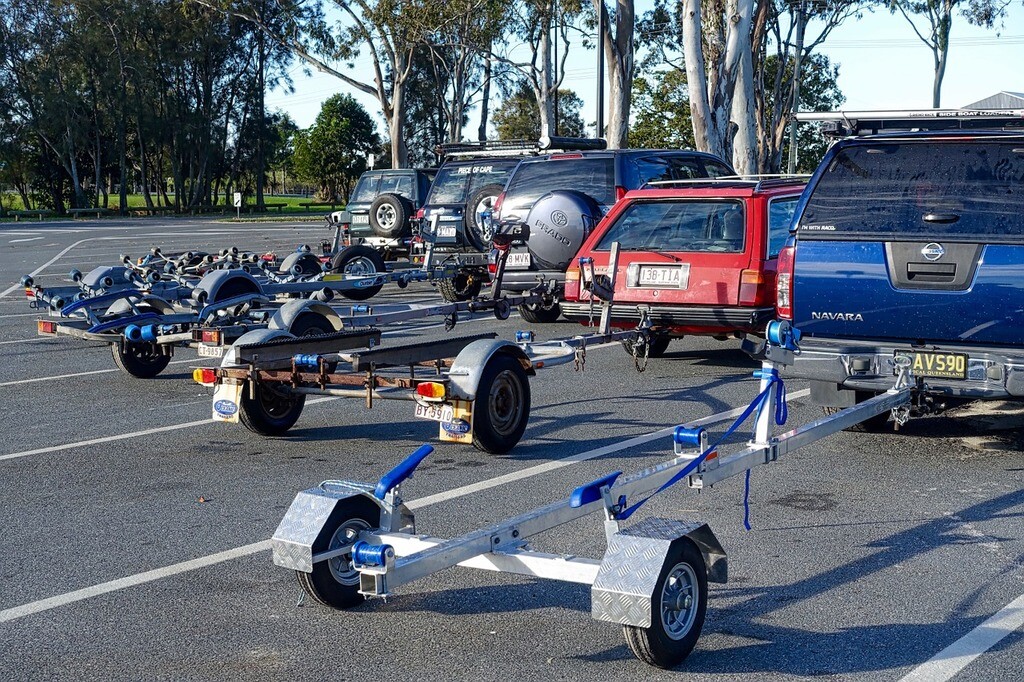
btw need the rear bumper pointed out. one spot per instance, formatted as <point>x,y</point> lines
<point>526,280</point>
<point>714,318</point>
<point>992,373</point>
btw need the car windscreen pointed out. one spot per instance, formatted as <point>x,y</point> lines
<point>455,183</point>
<point>366,189</point>
<point>702,226</point>
<point>918,191</point>
<point>534,179</point>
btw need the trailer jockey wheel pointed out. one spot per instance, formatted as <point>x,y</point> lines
<point>678,607</point>
<point>335,582</point>
<point>141,360</point>
<point>502,405</point>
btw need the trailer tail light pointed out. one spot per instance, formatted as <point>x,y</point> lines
<point>784,284</point>
<point>204,376</point>
<point>431,390</point>
<point>751,287</point>
<point>47,327</point>
<point>620,192</point>
<point>211,336</point>
<point>572,283</point>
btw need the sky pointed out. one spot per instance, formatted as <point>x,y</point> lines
<point>882,65</point>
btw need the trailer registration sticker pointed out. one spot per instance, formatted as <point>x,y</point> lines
<point>937,365</point>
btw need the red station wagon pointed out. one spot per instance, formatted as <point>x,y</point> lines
<point>700,254</point>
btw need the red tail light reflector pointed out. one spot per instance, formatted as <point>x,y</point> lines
<point>47,327</point>
<point>204,376</point>
<point>751,286</point>
<point>431,390</point>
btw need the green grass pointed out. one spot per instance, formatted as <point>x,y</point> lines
<point>12,202</point>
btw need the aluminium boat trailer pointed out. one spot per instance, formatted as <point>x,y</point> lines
<point>477,387</point>
<point>349,540</point>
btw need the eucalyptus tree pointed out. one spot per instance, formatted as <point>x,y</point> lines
<point>617,41</point>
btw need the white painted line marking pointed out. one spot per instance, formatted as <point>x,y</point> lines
<point>131,581</point>
<point>126,436</point>
<point>79,374</point>
<point>256,547</point>
<point>35,338</point>
<point>958,655</point>
<point>18,241</point>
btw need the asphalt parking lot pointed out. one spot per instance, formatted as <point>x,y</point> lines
<point>135,530</point>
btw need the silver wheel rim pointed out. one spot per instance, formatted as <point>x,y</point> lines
<point>486,227</point>
<point>360,266</point>
<point>505,402</point>
<point>679,601</point>
<point>343,538</point>
<point>386,216</point>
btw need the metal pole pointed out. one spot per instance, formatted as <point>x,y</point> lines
<point>600,70</point>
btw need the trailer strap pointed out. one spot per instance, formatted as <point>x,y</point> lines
<point>755,405</point>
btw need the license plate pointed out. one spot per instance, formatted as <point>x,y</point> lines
<point>936,365</point>
<point>210,351</point>
<point>667,276</point>
<point>446,232</point>
<point>438,413</point>
<point>518,260</point>
<point>360,219</point>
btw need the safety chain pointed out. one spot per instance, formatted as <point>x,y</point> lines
<point>450,321</point>
<point>641,362</point>
<point>901,415</point>
<point>590,315</point>
<point>580,360</point>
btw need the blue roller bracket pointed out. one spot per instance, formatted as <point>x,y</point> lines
<point>404,470</point>
<point>591,492</point>
<point>122,322</point>
<point>365,554</point>
<point>306,360</point>
<point>524,337</point>
<point>685,436</point>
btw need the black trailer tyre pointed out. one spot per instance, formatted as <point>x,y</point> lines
<point>359,261</point>
<point>389,215</point>
<point>677,612</point>
<point>878,424</point>
<point>477,231</point>
<point>538,313</point>
<point>141,360</point>
<point>464,286</point>
<point>311,324</point>
<point>502,405</point>
<point>269,411</point>
<point>335,582</point>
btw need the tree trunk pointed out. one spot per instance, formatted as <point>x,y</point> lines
<point>261,176</point>
<point>939,55</point>
<point>744,155</point>
<point>481,133</point>
<point>619,52</point>
<point>798,54</point>
<point>697,80</point>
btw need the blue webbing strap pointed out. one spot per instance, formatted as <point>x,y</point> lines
<point>755,405</point>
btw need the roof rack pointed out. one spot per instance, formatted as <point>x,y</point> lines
<point>519,147</point>
<point>851,123</point>
<point>755,182</point>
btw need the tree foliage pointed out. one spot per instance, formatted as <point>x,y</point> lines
<point>332,153</point>
<point>661,112</point>
<point>518,117</point>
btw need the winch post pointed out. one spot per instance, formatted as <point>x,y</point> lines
<point>606,306</point>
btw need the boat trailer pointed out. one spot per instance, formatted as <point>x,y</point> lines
<point>348,540</point>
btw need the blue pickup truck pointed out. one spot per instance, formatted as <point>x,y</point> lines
<point>911,244</point>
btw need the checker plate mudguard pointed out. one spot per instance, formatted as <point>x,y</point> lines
<point>623,591</point>
<point>292,544</point>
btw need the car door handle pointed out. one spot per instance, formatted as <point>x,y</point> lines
<point>940,217</point>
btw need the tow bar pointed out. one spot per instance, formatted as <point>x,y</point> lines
<point>348,540</point>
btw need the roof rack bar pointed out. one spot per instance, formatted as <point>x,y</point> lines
<point>848,123</point>
<point>757,181</point>
<point>519,147</point>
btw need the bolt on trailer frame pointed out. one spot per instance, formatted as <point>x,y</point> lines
<point>477,387</point>
<point>347,540</point>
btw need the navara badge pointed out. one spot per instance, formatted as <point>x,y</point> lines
<point>933,251</point>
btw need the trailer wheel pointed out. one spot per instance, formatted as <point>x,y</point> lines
<point>878,424</point>
<point>361,261</point>
<point>141,360</point>
<point>535,313</point>
<point>464,286</point>
<point>502,406</point>
<point>268,411</point>
<point>677,612</point>
<point>335,582</point>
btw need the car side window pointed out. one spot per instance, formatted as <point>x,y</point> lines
<point>780,215</point>
<point>366,189</point>
<point>684,168</point>
<point>650,169</point>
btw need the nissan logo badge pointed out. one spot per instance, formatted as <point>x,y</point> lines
<point>933,251</point>
<point>559,218</point>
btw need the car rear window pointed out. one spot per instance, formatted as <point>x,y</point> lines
<point>366,189</point>
<point>397,184</point>
<point>592,176</point>
<point>920,190</point>
<point>454,184</point>
<point>694,226</point>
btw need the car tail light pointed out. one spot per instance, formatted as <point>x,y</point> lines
<point>784,284</point>
<point>620,192</point>
<point>431,390</point>
<point>419,214</point>
<point>47,327</point>
<point>751,287</point>
<point>492,262</point>
<point>204,376</point>
<point>562,157</point>
<point>572,283</point>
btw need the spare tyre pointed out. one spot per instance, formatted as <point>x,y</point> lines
<point>481,201</point>
<point>389,215</point>
<point>559,222</point>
